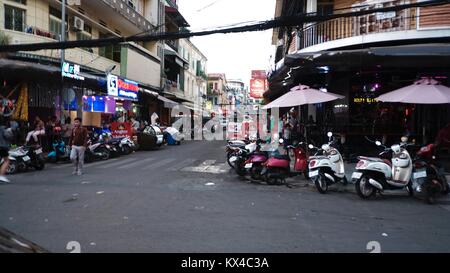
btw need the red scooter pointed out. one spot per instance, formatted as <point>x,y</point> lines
<point>250,160</point>
<point>301,159</point>
<point>277,168</point>
<point>428,176</point>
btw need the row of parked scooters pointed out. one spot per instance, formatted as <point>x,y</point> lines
<point>100,147</point>
<point>394,169</point>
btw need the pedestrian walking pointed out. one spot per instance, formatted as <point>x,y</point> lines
<point>78,143</point>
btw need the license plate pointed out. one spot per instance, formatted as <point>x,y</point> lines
<point>420,174</point>
<point>356,175</point>
<point>38,151</point>
<point>313,173</point>
<point>248,165</point>
<point>233,159</point>
<point>26,158</point>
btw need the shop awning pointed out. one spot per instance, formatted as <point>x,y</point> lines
<point>167,102</point>
<point>404,57</point>
<point>22,70</point>
<point>429,55</point>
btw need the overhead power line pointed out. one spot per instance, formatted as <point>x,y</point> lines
<point>284,21</point>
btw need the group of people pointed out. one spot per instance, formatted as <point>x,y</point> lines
<point>52,129</point>
<point>75,135</point>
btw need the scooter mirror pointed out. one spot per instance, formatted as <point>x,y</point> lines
<point>329,134</point>
<point>311,146</point>
<point>378,143</point>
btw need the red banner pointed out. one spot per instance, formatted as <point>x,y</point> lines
<point>121,129</point>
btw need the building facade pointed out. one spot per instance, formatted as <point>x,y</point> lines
<point>217,95</point>
<point>195,77</point>
<point>238,92</point>
<point>34,21</point>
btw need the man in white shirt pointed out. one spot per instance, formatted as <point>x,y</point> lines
<point>154,118</point>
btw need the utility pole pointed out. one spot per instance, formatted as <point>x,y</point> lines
<point>63,39</point>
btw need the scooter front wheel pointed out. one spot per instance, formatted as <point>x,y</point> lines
<point>363,188</point>
<point>321,184</point>
<point>12,167</point>
<point>231,164</point>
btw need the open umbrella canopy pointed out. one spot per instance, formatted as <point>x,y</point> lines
<point>424,91</point>
<point>300,95</point>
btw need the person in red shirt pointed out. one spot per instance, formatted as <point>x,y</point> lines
<point>78,142</point>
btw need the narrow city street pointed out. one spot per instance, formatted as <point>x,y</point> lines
<point>186,199</point>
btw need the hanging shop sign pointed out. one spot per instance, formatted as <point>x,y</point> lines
<point>122,88</point>
<point>121,129</point>
<point>257,88</point>
<point>71,71</point>
<point>365,100</point>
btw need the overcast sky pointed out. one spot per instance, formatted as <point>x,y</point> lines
<point>233,54</point>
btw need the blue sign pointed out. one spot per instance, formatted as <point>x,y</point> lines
<point>122,88</point>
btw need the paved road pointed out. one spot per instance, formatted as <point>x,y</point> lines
<point>185,199</point>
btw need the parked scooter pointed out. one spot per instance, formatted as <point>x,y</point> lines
<point>428,176</point>
<point>232,149</point>
<point>376,174</point>
<point>25,157</point>
<point>97,150</point>
<point>328,168</point>
<point>300,159</point>
<point>250,160</point>
<point>276,168</point>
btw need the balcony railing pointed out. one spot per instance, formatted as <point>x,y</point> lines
<point>173,44</point>
<point>122,7</point>
<point>346,27</point>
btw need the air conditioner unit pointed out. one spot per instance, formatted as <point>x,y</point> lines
<point>78,23</point>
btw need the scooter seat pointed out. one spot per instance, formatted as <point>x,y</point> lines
<point>375,159</point>
<point>317,157</point>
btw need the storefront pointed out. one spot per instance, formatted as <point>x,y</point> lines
<point>47,90</point>
<point>361,76</point>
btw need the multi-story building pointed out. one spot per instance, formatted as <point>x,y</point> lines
<point>217,94</point>
<point>195,77</point>
<point>238,92</point>
<point>174,64</point>
<point>363,57</point>
<point>138,65</point>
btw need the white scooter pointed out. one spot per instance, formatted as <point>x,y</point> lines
<point>328,168</point>
<point>376,174</point>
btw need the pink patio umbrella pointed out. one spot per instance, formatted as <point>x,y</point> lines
<point>300,95</point>
<point>424,91</point>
